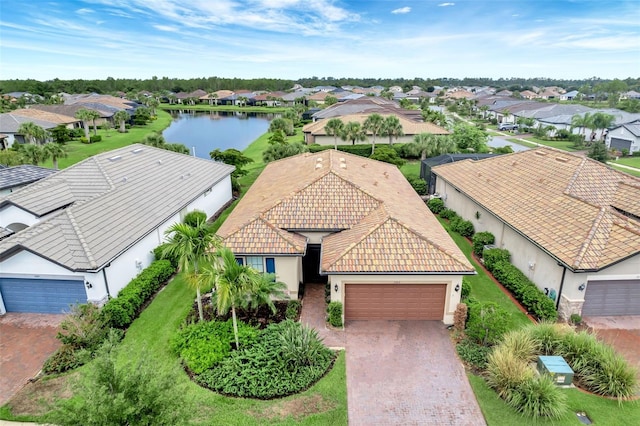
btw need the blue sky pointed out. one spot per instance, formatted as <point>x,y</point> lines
<point>302,38</point>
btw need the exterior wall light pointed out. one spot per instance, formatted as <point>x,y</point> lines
<point>88,284</point>
<point>581,287</point>
<point>335,287</point>
<point>457,287</point>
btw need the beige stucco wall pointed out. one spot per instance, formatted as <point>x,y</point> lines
<point>534,262</point>
<point>315,237</point>
<point>452,296</point>
<point>289,271</point>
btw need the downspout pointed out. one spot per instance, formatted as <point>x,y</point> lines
<point>106,282</point>
<point>564,271</point>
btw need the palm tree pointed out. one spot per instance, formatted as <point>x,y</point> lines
<point>121,117</point>
<point>425,143</point>
<point>265,288</point>
<point>601,120</point>
<point>55,151</point>
<point>155,139</point>
<point>33,133</point>
<point>392,127</point>
<point>583,121</point>
<point>34,154</point>
<point>192,246</point>
<point>85,115</point>
<point>152,103</point>
<point>334,127</point>
<point>373,124</point>
<point>353,132</point>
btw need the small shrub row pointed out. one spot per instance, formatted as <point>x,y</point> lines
<point>285,358</point>
<point>461,226</point>
<point>448,214</point>
<point>120,311</point>
<point>527,293</point>
<point>495,255</point>
<point>418,184</point>
<point>335,314</point>
<point>473,354</point>
<point>436,205</point>
<point>95,138</point>
<point>481,239</point>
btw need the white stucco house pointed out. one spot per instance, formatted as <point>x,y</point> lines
<point>625,137</point>
<point>355,224</point>
<point>83,233</point>
<point>571,224</point>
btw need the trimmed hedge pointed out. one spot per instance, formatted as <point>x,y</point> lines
<point>493,256</point>
<point>335,314</point>
<point>119,312</point>
<point>462,227</point>
<point>436,205</point>
<point>481,239</point>
<point>448,214</point>
<point>534,300</point>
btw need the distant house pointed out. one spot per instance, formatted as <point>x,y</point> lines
<point>571,224</point>
<point>528,94</point>
<point>569,96</point>
<point>10,123</point>
<point>355,224</point>
<point>427,164</point>
<point>14,178</point>
<point>84,232</point>
<point>625,137</point>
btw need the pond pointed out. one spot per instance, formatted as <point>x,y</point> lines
<point>204,131</point>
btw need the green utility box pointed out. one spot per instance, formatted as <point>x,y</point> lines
<point>557,368</point>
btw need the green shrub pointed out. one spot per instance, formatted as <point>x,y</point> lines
<point>436,205</point>
<point>204,344</point>
<point>335,314</point>
<point>64,359</point>
<point>487,322</point>
<point>466,289</point>
<point>261,370</point>
<point>301,345</point>
<point>495,255</point>
<point>462,227</point>
<point>506,372</point>
<point>481,239</point>
<point>95,138</point>
<point>120,311</point>
<point>293,310</point>
<point>388,155</point>
<point>159,254</point>
<point>612,377</point>
<point>522,344</point>
<point>418,184</point>
<point>84,140</point>
<point>194,217</point>
<point>538,397</point>
<point>548,335</point>
<point>472,353</point>
<point>448,214</point>
<point>575,319</point>
<point>83,328</point>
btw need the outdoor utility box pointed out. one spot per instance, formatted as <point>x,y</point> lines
<point>557,368</point>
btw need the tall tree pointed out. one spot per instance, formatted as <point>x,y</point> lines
<point>192,246</point>
<point>33,133</point>
<point>392,128</point>
<point>373,124</point>
<point>602,121</point>
<point>468,136</point>
<point>85,115</point>
<point>353,132</point>
<point>33,153</point>
<point>598,151</point>
<point>152,104</point>
<point>54,151</point>
<point>121,118</point>
<point>582,121</point>
<point>334,127</point>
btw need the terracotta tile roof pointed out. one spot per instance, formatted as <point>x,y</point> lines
<point>564,203</point>
<point>45,116</point>
<point>409,127</point>
<point>385,226</point>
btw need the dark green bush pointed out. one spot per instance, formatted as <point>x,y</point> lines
<point>84,140</point>
<point>462,227</point>
<point>448,214</point>
<point>64,359</point>
<point>418,184</point>
<point>495,255</point>
<point>335,314</point>
<point>388,155</point>
<point>204,344</point>
<point>95,138</point>
<point>194,217</point>
<point>487,322</point>
<point>466,289</point>
<point>262,370</point>
<point>473,353</point>
<point>120,311</point>
<point>436,205</point>
<point>481,239</point>
<point>293,310</point>
<point>300,344</point>
<point>531,297</point>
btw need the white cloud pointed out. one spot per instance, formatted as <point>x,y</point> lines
<point>401,10</point>
<point>84,11</point>
<point>169,28</point>
<point>446,4</point>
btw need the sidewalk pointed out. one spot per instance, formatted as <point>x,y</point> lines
<point>314,314</point>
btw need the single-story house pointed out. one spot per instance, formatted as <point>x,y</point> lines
<point>315,132</point>
<point>625,137</point>
<point>428,163</point>
<point>572,224</point>
<point>10,123</point>
<point>83,233</point>
<point>14,178</point>
<point>355,224</point>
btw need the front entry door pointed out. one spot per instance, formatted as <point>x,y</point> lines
<point>311,265</point>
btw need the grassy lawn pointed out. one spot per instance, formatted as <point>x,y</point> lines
<point>265,109</point>
<point>411,168</point>
<point>110,140</point>
<point>602,411</point>
<point>563,145</point>
<point>622,169</point>
<point>629,161</point>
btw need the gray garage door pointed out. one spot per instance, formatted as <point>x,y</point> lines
<point>609,298</point>
<point>41,295</point>
<point>620,144</point>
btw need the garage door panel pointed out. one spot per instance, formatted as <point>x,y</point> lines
<point>395,301</point>
<point>41,295</point>
<point>611,298</point>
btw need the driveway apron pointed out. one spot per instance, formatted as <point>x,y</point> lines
<point>406,373</point>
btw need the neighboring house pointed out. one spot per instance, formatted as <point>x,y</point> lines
<point>14,178</point>
<point>625,137</point>
<point>569,96</point>
<point>572,224</point>
<point>356,224</point>
<point>106,113</point>
<point>528,94</point>
<point>315,132</point>
<point>428,163</point>
<point>367,105</point>
<point>86,231</point>
<point>10,123</point>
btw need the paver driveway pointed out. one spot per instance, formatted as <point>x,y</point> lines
<point>26,341</point>
<point>406,373</point>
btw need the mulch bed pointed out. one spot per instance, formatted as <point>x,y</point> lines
<point>260,318</point>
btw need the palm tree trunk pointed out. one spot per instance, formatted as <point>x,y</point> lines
<point>235,325</point>
<point>122,127</point>
<point>86,129</point>
<point>199,301</point>
<point>55,163</point>
<point>335,143</point>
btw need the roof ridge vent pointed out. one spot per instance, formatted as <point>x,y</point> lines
<point>343,165</point>
<point>562,159</point>
<point>137,150</point>
<point>115,158</point>
<point>541,153</point>
<point>319,166</point>
<point>319,159</point>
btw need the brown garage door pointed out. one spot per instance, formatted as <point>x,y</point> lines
<point>395,301</point>
<point>610,298</point>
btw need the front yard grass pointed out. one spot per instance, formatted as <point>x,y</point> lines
<point>628,161</point>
